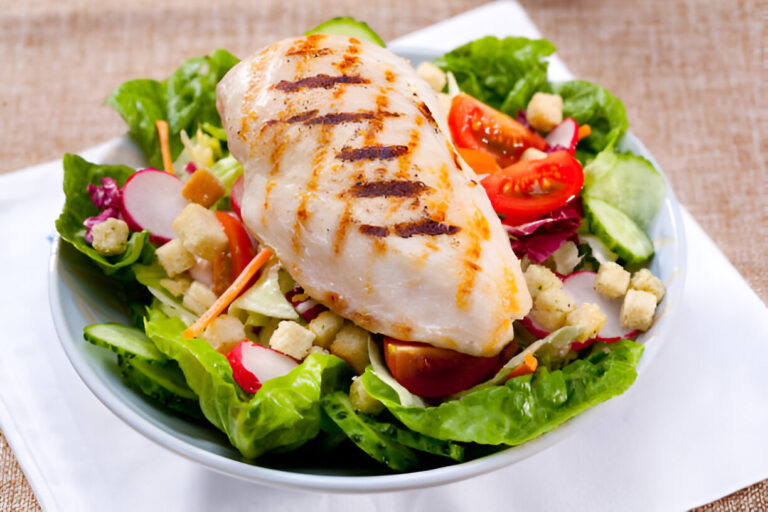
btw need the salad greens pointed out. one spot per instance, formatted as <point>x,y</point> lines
<point>190,376</point>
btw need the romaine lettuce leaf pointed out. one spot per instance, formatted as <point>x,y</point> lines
<point>78,174</point>
<point>525,407</point>
<point>503,73</point>
<point>284,414</point>
<point>187,99</point>
<point>591,104</point>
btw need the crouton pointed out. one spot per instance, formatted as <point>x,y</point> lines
<point>545,111</point>
<point>198,298</point>
<point>638,309</point>
<point>200,231</point>
<point>612,280</point>
<point>433,75</point>
<point>539,278</point>
<point>361,400</point>
<point>532,154</point>
<point>317,349</point>
<point>110,237</point>
<point>177,286</point>
<point>292,339</point>
<point>224,333</point>
<point>325,326</point>
<point>589,317</point>
<point>203,188</point>
<point>351,344</point>
<point>174,258</point>
<point>645,281</point>
<point>550,308</point>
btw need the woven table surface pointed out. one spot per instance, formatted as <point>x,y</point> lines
<point>690,73</point>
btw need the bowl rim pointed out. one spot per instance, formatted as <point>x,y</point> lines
<point>153,430</point>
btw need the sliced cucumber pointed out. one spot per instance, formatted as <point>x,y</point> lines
<point>128,342</point>
<point>166,384</point>
<point>628,182</point>
<point>346,26</point>
<point>398,457</point>
<point>417,441</point>
<point>617,231</point>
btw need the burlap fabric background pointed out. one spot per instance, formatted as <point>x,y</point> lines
<point>692,75</point>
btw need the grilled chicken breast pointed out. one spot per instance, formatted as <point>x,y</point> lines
<point>352,180</point>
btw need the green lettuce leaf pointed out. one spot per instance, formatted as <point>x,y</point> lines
<point>78,174</point>
<point>283,415</point>
<point>590,104</point>
<point>187,99</point>
<point>525,407</point>
<point>503,73</point>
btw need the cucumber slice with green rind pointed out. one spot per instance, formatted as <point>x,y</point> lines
<point>166,384</point>
<point>417,441</point>
<point>398,457</point>
<point>347,26</point>
<point>617,231</point>
<point>128,342</point>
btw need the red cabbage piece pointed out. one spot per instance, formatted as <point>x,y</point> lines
<point>307,308</point>
<point>540,238</point>
<point>105,196</point>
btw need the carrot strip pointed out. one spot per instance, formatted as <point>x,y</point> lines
<point>229,295</point>
<point>529,366</point>
<point>479,161</point>
<point>165,148</point>
<point>584,131</point>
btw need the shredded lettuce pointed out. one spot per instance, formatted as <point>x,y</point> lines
<point>187,99</point>
<point>525,407</point>
<point>266,298</point>
<point>503,73</point>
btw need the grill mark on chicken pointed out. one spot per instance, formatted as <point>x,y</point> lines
<point>374,152</point>
<point>377,231</point>
<point>391,188</point>
<point>308,52</point>
<point>424,227</point>
<point>424,109</point>
<point>341,231</point>
<point>350,58</point>
<point>404,163</point>
<point>349,117</point>
<point>319,81</point>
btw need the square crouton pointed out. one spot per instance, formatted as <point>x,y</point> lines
<point>203,188</point>
<point>110,237</point>
<point>177,286</point>
<point>361,400</point>
<point>224,333</point>
<point>589,317</point>
<point>638,309</point>
<point>433,75</point>
<point>174,258</point>
<point>645,281</point>
<point>612,280</point>
<point>351,344</point>
<point>545,111</point>
<point>550,308</point>
<point>198,298</point>
<point>532,154</point>
<point>325,326</point>
<point>317,349</point>
<point>539,278</point>
<point>292,339</point>
<point>200,231</point>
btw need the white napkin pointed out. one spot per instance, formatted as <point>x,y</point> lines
<point>690,430</point>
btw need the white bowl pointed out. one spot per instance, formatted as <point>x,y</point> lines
<point>79,297</point>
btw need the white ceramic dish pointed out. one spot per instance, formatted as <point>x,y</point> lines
<point>78,297</point>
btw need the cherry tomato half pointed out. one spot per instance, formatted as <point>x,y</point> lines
<point>525,191</point>
<point>240,247</point>
<point>432,372</point>
<point>475,125</point>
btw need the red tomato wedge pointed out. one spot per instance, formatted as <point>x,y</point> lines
<point>433,372</point>
<point>475,125</point>
<point>241,249</point>
<point>525,191</point>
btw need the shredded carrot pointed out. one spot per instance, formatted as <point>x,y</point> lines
<point>584,131</point>
<point>229,295</point>
<point>529,366</point>
<point>479,161</point>
<point>165,148</point>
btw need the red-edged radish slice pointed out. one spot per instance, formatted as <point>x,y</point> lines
<point>253,365</point>
<point>581,286</point>
<point>236,196</point>
<point>565,135</point>
<point>152,200</point>
<point>534,328</point>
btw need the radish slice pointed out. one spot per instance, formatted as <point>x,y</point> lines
<point>564,136</point>
<point>581,286</point>
<point>534,328</point>
<point>152,200</point>
<point>236,196</point>
<point>253,365</point>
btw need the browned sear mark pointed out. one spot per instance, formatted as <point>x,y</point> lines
<point>308,52</point>
<point>349,117</point>
<point>391,188</point>
<point>424,227</point>
<point>377,231</point>
<point>319,81</point>
<point>424,109</point>
<point>375,152</point>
